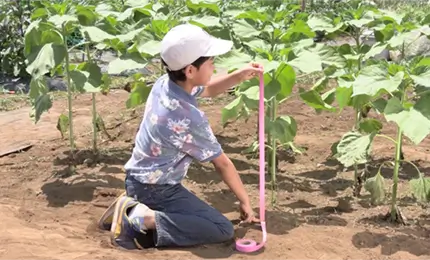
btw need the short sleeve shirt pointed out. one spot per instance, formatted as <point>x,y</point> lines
<point>173,132</point>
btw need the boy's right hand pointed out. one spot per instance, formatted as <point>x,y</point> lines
<point>247,214</point>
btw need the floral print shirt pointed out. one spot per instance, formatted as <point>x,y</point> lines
<point>172,133</point>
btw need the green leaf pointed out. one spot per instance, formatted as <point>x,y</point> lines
<point>150,47</point>
<point>198,5</point>
<point>139,94</point>
<point>414,122</point>
<point>46,58</point>
<point>205,21</point>
<point>272,89</point>
<point>87,77</point>
<point>284,128</point>
<point>231,110</point>
<point>126,62</point>
<point>233,60</point>
<point>244,30</point>
<point>253,15</point>
<point>40,98</point>
<point>373,79</point>
<point>343,96</point>
<point>370,125</point>
<point>286,76</point>
<point>379,105</point>
<point>420,188</point>
<point>328,55</point>
<point>354,148</point>
<point>314,99</point>
<point>375,185</point>
<point>41,104</point>
<point>96,34</point>
<point>375,50</point>
<point>63,124</point>
<point>67,21</point>
<point>323,23</point>
<point>404,38</point>
<point>86,15</point>
<point>297,31</point>
<point>302,62</point>
<point>365,19</point>
<point>422,78</point>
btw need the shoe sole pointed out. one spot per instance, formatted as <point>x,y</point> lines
<point>116,223</point>
<point>107,216</point>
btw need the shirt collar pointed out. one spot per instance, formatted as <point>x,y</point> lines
<point>178,91</point>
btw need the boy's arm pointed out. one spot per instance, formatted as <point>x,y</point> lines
<point>221,83</point>
<point>231,177</point>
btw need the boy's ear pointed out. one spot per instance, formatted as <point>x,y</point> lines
<point>189,71</point>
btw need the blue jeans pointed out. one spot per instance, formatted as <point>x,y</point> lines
<point>181,219</point>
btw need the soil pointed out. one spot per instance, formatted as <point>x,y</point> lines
<point>50,212</point>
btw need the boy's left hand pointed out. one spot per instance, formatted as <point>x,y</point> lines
<point>250,71</point>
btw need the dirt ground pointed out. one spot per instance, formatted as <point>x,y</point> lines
<point>49,213</point>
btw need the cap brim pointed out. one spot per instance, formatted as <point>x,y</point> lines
<point>218,47</point>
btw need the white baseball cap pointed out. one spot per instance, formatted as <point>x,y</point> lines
<point>185,43</point>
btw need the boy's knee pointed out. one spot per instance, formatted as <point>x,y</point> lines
<point>227,231</point>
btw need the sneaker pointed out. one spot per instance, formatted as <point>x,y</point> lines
<point>124,232</point>
<point>105,221</point>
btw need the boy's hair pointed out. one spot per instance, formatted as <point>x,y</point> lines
<point>179,75</point>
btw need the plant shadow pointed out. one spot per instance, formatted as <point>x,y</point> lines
<point>61,192</point>
<point>406,171</point>
<point>391,244</point>
<point>87,156</point>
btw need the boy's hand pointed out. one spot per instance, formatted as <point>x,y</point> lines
<point>247,214</point>
<point>250,71</point>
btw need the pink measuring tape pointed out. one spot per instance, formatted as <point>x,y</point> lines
<point>248,245</point>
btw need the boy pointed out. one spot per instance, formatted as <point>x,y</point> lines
<point>158,211</point>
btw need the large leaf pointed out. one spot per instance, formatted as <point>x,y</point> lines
<point>354,148</point>
<point>40,99</point>
<point>126,62</point>
<point>46,58</point>
<point>138,95</point>
<point>313,99</point>
<point>373,79</point>
<point>198,5</point>
<point>302,62</point>
<point>297,31</point>
<point>86,15</point>
<point>231,111</point>
<point>204,21</point>
<point>286,76</point>
<point>343,96</point>
<point>253,15</point>
<point>96,34</point>
<point>328,55</point>
<point>284,128</point>
<point>150,47</point>
<point>233,60</point>
<point>323,23</point>
<point>414,122</point>
<point>87,77</point>
<point>244,30</point>
<point>63,20</point>
<point>421,76</point>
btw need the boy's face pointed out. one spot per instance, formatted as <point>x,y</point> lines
<point>200,76</point>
